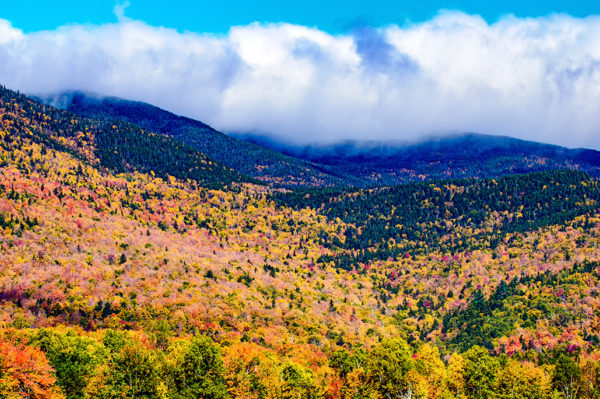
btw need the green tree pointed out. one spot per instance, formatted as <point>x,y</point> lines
<point>566,377</point>
<point>73,357</point>
<point>133,372</point>
<point>114,341</point>
<point>387,368</point>
<point>297,382</point>
<point>480,373</point>
<point>199,371</point>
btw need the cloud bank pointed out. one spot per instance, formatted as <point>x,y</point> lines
<point>534,78</point>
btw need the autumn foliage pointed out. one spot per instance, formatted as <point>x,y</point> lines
<point>25,373</point>
<point>117,280</point>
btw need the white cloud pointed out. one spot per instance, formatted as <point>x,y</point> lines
<point>532,78</point>
<point>119,9</point>
<point>8,33</point>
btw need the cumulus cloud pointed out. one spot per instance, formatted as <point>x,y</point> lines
<point>535,78</point>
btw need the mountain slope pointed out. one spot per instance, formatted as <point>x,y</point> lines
<point>358,164</point>
<point>119,146</point>
<point>451,157</point>
<point>246,158</point>
<point>128,279</point>
<point>415,211</point>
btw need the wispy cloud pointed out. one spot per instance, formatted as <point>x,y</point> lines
<point>119,9</point>
<point>532,78</point>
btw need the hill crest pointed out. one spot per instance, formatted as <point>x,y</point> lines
<point>350,163</point>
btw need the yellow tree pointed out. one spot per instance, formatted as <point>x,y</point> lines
<point>456,375</point>
<point>522,380</point>
<point>432,368</point>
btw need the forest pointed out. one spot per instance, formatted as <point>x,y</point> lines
<point>132,265</point>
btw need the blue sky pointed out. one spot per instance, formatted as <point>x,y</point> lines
<point>218,16</point>
<point>316,71</point>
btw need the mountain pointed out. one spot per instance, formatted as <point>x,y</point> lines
<point>118,146</point>
<point>359,164</point>
<point>246,158</point>
<point>458,156</point>
<point>133,265</point>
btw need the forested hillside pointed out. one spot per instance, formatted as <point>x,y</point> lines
<point>245,157</point>
<point>447,157</point>
<point>352,164</point>
<point>118,146</point>
<point>449,215</point>
<point>123,275</point>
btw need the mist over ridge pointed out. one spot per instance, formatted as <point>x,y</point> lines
<point>532,78</point>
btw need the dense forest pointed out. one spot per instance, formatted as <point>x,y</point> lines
<point>134,266</point>
<point>377,163</point>
<point>245,157</point>
<point>118,146</point>
<point>431,216</point>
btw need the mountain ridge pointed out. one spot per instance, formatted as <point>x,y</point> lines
<point>379,148</point>
<point>348,163</point>
<point>244,157</point>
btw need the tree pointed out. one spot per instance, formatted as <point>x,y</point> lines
<point>199,371</point>
<point>456,375</point>
<point>26,373</point>
<point>590,377</point>
<point>249,371</point>
<point>356,388</point>
<point>133,372</point>
<point>73,357</point>
<point>388,366</point>
<point>480,373</point>
<point>113,340</point>
<point>523,381</point>
<point>297,382</point>
<point>565,378</point>
<point>432,368</point>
